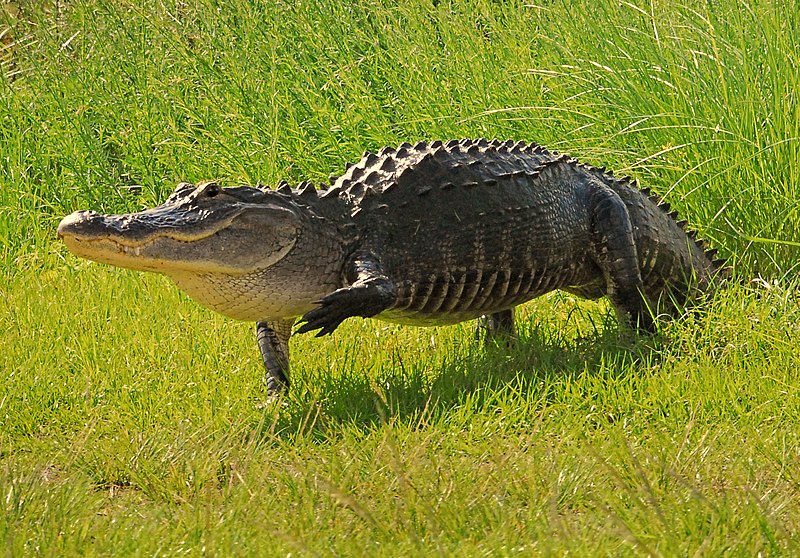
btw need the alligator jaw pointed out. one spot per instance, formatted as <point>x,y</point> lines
<point>140,241</point>
<point>110,251</point>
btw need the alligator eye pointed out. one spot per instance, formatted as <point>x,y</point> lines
<point>212,190</point>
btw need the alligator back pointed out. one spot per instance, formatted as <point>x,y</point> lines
<point>474,227</point>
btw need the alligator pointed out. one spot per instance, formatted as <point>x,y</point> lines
<point>426,234</point>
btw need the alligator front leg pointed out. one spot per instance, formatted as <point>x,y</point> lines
<point>273,340</point>
<point>370,292</point>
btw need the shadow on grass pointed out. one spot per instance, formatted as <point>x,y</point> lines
<point>410,388</point>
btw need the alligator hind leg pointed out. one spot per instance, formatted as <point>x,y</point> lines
<point>273,340</point>
<point>615,253</point>
<point>499,325</point>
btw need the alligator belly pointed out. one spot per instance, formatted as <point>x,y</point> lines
<point>452,297</point>
<point>440,302</point>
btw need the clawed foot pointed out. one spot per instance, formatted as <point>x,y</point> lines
<point>497,327</point>
<point>365,299</point>
<point>332,311</point>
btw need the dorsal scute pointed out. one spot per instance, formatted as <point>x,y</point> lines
<point>373,177</point>
<point>306,189</point>
<point>355,172</point>
<point>333,191</point>
<point>388,164</point>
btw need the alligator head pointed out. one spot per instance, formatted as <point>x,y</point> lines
<point>203,229</point>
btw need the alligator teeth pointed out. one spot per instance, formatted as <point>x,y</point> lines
<point>130,250</point>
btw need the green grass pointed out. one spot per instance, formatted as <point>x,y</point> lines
<point>130,421</point>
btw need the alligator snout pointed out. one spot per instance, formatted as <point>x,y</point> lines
<point>79,223</point>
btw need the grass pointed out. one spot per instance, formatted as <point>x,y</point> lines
<point>129,416</point>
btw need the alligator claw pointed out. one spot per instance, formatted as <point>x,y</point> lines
<point>332,311</point>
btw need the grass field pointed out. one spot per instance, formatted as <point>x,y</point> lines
<point>130,422</point>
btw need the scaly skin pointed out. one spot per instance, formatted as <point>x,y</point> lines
<point>426,234</point>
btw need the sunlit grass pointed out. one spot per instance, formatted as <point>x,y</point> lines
<point>131,420</point>
<point>119,417</point>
